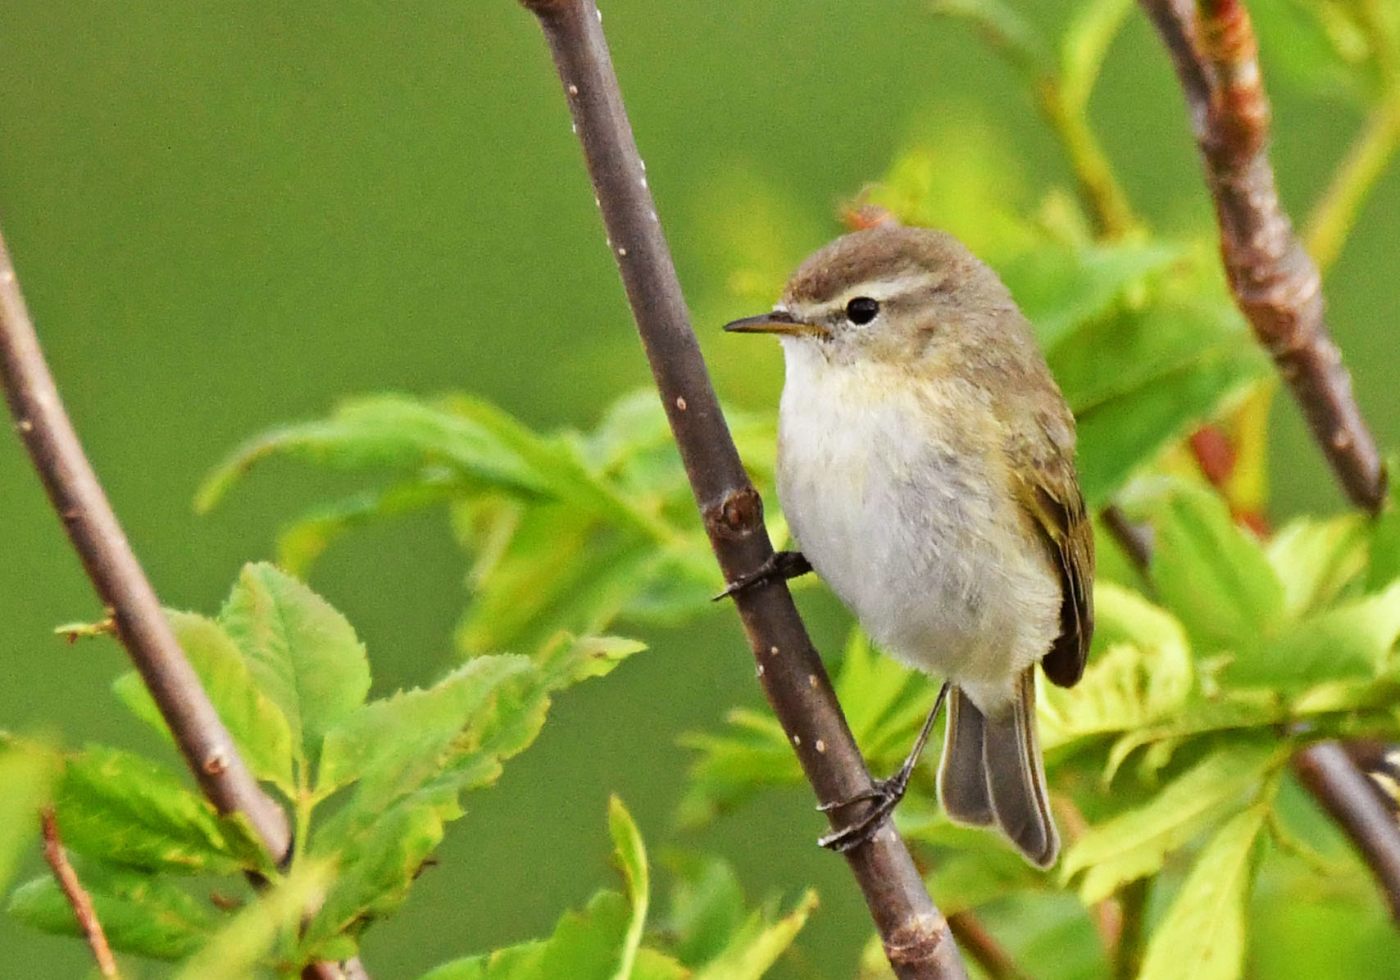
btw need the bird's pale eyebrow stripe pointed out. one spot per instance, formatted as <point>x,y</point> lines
<point>884,289</point>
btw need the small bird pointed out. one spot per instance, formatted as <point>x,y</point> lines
<point>926,468</point>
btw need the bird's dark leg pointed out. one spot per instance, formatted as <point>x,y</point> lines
<point>780,564</point>
<point>886,793</point>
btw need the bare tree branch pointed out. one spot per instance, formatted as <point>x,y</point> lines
<point>78,898</point>
<point>1351,799</point>
<point>1275,283</point>
<point>1279,290</point>
<point>97,536</point>
<point>916,937</point>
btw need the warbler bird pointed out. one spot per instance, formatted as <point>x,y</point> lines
<point>926,469</point>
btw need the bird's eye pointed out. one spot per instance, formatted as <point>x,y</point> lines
<point>862,310</point>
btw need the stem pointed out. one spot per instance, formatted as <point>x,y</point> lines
<point>111,565</point>
<point>983,947</point>
<point>1335,212</point>
<point>77,896</point>
<point>1279,290</point>
<point>1275,284</point>
<point>1347,795</point>
<point>1132,905</point>
<point>916,937</point>
<point>1105,198</point>
<point>98,538</point>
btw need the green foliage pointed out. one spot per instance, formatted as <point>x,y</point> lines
<point>1208,671</point>
<point>1205,692</point>
<point>1203,933</point>
<point>564,532</point>
<point>27,773</point>
<point>708,934</point>
<point>141,913</point>
<point>370,785</point>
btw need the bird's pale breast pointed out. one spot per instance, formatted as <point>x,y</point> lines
<point>920,537</point>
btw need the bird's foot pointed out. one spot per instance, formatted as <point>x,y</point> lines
<point>780,564</point>
<point>884,795</point>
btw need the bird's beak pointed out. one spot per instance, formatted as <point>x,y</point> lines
<point>779,322</point>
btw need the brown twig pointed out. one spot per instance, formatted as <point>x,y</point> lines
<point>1351,799</point>
<point>1279,290</point>
<point>131,602</point>
<point>77,895</point>
<point>1274,282</point>
<point>916,937</point>
<point>983,948</point>
<point>98,538</point>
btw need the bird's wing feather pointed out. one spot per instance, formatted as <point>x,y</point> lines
<point>1048,491</point>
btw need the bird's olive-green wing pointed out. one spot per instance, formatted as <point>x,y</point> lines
<point>1049,492</point>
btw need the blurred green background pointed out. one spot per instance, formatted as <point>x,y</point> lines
<point>229,215</point>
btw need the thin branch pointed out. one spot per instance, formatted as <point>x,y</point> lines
<point>983,948</point>
<point>101,544</point>
<point>1351,799</point>
<point>97,536</point>
<point>77,895</point>
<point>1279,290</point>
<point>915,935</point>
<point>1275,284</point>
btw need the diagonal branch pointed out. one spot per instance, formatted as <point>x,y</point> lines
<point>78,898</point>
<point>916,937</point>
<point>1275,283</point>
<point>1349,797</point>
<point>97,536</point>
<point>1279,290</point>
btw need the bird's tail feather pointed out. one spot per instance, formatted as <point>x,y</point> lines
<point>991,772</point>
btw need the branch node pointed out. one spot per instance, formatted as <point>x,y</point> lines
<point>738,514</point>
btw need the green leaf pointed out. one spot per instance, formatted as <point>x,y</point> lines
<point>394,746</point>
<point>1199,716</point>
<point>392,432</point>
<point>1354,639</point>
<point>271,919</point>
<point>303,541</point>
<point>122,808</point>
<point>752,754</point>
<point>1136,843</point>
<point>303,654</point>
<point>707,906</point>
<point>258,727</point>
<point>569,660</point>
<point>631,856</point>
<point>885,702</point>
<point>27,774</point>
<point>585,946</point>
<point>1140,671</point>
<point>1061,287</point>
<point>140,913</point>
<point>377,869</point>
<point>1385,538</point>
<point>1211,573</point>
<point>559,571</point>
<point>1203,933</point>
<point>1316,559</point>
<point>758,943</point>
<point>961,179</point>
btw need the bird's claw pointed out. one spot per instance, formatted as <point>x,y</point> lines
<point>780,564</point>
<point>886,794</point>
